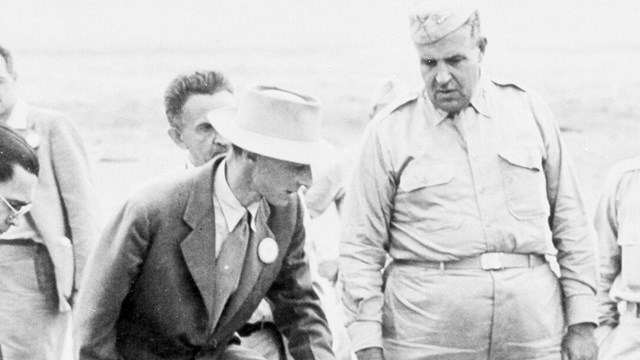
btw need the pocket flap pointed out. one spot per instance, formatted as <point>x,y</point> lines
<point>433,176</point>
<point>527,157</point>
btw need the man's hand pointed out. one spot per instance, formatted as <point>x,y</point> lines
<point>372,353</point>
<point>579,343</point>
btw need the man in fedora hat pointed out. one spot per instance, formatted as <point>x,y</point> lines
<point>188,99</point>
<point>468,188</point>
<point>186,261</point>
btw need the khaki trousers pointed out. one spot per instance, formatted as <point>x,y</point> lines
<point>623,343</point>
<point>472,314</point>
<point>31,327</point>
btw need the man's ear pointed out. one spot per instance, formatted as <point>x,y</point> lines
<point>175,135</point>
<point>482,44</point>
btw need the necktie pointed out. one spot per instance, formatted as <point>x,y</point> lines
<point>229,264</point>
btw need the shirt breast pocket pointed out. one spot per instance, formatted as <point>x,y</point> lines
<point>524,182</point>
<point>427,198</point>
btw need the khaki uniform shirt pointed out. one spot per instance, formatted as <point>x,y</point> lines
<point>617,222</point>
<point>496,178</point>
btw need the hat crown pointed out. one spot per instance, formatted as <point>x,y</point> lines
<point>274,122</point>
<point>279,113</point>
<point>432,20</point>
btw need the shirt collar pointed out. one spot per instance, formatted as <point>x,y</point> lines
<point>232,210</point>
<point>478,102</point>
<point>18,117</point>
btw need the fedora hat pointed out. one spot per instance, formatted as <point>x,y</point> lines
<point>273,122</point>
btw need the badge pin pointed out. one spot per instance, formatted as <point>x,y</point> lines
<point>268,250</point>
<point>33,139</point>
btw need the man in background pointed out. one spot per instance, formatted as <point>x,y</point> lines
<point>467,186</point>
<point>617,222</point>
<point>60,229</point>
<point>187,100</point>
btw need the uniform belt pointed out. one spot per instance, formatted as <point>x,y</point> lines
<point>633,308</point>
<point>17,242</point>
<point>486,261</point>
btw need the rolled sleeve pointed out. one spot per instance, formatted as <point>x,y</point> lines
<point>365,334</point>
<point>580,309</point>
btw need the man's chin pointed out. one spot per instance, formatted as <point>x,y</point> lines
<point>449,106</point>
<point>281,200</point>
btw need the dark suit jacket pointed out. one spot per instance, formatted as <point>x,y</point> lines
<point>149,286</point>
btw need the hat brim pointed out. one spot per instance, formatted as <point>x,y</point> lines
<point>224,120</point>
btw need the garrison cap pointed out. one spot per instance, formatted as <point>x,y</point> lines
<point>431,20</point>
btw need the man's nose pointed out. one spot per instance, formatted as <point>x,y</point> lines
<point>443,76</point>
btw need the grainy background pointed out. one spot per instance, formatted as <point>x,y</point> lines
<point>107,64</point>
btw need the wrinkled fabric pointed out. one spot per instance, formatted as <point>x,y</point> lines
<point>617,222</point>
<point>623,343</point>
<point>495,177</point>
<point>471,314</point>
<point>30,324</point>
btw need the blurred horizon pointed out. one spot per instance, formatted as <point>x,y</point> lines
<point>107,64</point>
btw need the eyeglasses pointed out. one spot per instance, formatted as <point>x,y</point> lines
<point>16,212</point>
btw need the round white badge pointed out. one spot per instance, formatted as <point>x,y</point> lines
<point>268,250</point>
<point>33,139</point>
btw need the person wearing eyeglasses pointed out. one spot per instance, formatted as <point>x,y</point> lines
<point>56,235</point>
<point>18,179</point>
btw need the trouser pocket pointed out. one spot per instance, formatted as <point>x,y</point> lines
<point>45,274</point>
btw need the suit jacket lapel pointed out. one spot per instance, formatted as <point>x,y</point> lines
<point>198,248</point>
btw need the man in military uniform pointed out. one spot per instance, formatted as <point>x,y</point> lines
<point>617,222</point>
<point>467,186</point>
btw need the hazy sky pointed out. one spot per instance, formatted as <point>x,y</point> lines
<point>192,24</point>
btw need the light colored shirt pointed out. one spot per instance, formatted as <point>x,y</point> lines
<point>495,178</point>
<point>227,205</point>
<point>22,229</point>
<point>617,222</point>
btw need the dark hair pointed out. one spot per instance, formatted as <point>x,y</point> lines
<point>14,150</point>
<point>8,59</point>
<point>185,85</point>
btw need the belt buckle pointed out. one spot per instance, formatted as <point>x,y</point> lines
<point>490,261</point>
